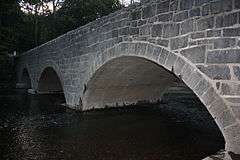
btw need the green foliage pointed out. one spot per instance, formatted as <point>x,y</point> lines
<point>25,24</point>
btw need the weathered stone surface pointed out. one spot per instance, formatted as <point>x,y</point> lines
<point>231,32</point>
<point>163,7</point>
<point>165,17</point>
<point>224,43</point>
<point>157,30</point>
<point>163,56</point>
<point>236,70</point>
<point>237,4</point>
<point>195,54</point>
<point>194,12</point>
<point>163,42</point>
<point>148,11</point>
<point>178,66</point>
<point>206,10</point>
<point>187,26</point>
<point>216,72</point>
<point>227,20</point>
<point>198,35</point>
<point>136,15</point>
<point>186,4</point>
<point>224,56</point>
<point>205,23</point>
<point>214,33</point>
<point>171,30</point>
<point>180,42</point>
<point>180,16</point>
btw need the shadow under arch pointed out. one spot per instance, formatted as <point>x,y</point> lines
<point>123,75</point>
<point>25,79</point>
<point>49,82</point>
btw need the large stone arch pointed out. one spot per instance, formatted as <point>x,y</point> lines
<point>184,69</point>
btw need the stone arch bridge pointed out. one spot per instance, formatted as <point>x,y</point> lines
<point>137,53</point>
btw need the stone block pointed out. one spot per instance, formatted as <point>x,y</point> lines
<point>225,119</point>
<point>163,42</point>
<point>170,61</point>
<point>163,7</point>
<point>236,111</point>
<point>201,2</point>
<point>227,20</point>
<point>202,87</point>
<point>141,22</point>
<point>224,56</point>
<point>140,48</point>
<point>233,131</point>
<point>178,66</point>
<point>123,31</point>
<point>205,23</point>
<point>186,4</point>
<point>206,10</point>
<point>195,54</point>
<point>216,72</point>
<point>224,43</point>
<point>145,30</point>
<point>194,12</point>
<point>231,32</point>
<point>163,56</point>
<point>214,33</point>
<point>157,30</point>
<point>156,53</point>
<point>165,17</point>
<point>174,5</point>
<point>237,4</point>
<point>179,42</point>
<point>216,7</point>
<point>214,102</point>
<point>210,99</point>
<point>236,71</point>
<point>148,11</point>
<point>134,31</point>
<point>171,30</point>
<point>187,26</point>
<point>180,16</point>
<point>136,14</point>
<point>197,35</point>
<point>150,49</point>
<point>194,79</point>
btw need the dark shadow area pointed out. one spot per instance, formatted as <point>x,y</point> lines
<point>49,82</point>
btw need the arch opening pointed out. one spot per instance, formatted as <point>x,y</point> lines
<point>130,80</point>
<point>25,80</point>
<point>49,82</point>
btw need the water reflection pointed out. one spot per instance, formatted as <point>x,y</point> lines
<point>38,127</point>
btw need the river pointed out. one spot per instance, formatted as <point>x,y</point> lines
<point>40,128</point>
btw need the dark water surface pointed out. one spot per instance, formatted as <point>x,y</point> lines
<point>38,128</point>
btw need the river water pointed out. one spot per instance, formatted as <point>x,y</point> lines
<point>39,128</point>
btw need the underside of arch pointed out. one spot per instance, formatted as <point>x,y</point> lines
<point>25,80</point>
<point>127,80</point>
<point>49,82</point>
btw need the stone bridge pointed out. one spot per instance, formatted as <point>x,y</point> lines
<point>137,53</point>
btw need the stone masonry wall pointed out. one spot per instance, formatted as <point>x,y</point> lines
<point>206,32</point>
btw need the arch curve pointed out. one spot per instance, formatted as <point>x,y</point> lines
<point>172,63</point>
<point>25,80</point>
<point>49,82</point>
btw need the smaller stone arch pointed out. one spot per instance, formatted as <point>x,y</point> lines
<point>49,82</point>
